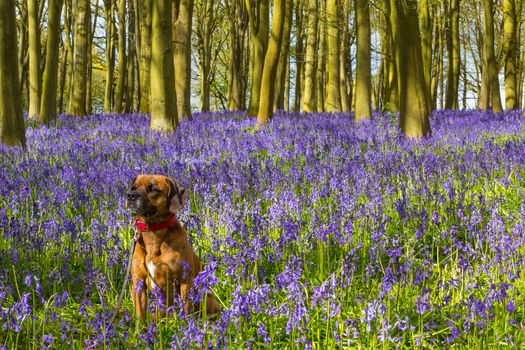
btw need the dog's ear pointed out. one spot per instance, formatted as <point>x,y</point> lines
<point>177,196</point>
<point>132,182</point>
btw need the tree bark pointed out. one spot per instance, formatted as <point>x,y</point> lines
<point>413,93</point>
<point>270,64</point>
<point>145,54</point>
<point>333,93</point>
<point>489,96</point>
<point>48,107</point>
<point>278,102</point>
<point>363,104</point>
<point>77,102</point>
<point>12,130</point>
<point>204,28</point>
<point>182,58</point>
<point>34,60</point>
<point>299,56</point>
<point>259,23</point>
<point>453,69</point>
<point>238,24</point>
<point>310,65</point>
<point>510,36</point>
<point>131,60</point>
<point>121,61</point>
<point>110,55</point>
<point>321,59</point>
<point>162,94</point>
<point>89,85</point>
<point>426,39</point>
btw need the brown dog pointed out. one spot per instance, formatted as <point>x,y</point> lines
<point>163,256</point>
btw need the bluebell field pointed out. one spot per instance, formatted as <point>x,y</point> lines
<point>315,232</point>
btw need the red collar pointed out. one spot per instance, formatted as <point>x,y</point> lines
<point>144,226</point>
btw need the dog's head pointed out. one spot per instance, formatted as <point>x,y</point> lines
<point>155,197</point>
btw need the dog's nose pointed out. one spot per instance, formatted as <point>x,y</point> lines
<point>132,196</point>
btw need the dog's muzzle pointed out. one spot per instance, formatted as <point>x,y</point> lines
<point>139,205</point>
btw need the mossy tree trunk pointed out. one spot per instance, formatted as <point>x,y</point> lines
<point>121,61</point>
<point>282,67</point>
<point>414,110</point>
<point>34,59</point>
<point>454,60</point>
<point>258,15</point>
<point>182,56</point>
<point>299,55</point>
<point>162,92</point>
<point>48,107</point>
<point>363,103</point>
<point>109,11</point>
<point>333,93</point>
<point>78,82</point>
<point>12,131</point>
<point>310,64</point>
<point>144,17</point>
<point>510,49</point>
<point>271,62</point>
<point>489,95</point>
<point>238,22</point>
<point>426,39</point>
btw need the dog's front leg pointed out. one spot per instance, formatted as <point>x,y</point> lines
<point>185,296</point>
<point>138,296</point>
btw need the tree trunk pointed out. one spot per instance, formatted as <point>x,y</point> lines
<point>110,55</point>
<point>238,25</point>
<point>299,56</point>
<point>489,96</point>
<point>270,64</point>
<point>89,94</point>
<point>389,94</point>
<point>162,94</point>
<point>34,59</point>
<point>321,59</point>
<point>333,94</point>
<point>12,131</point>
<point>77,102</point>
<point>426,39</point>
<point>63,64</point>
<point>121,61</point>
<point>203,28</point>
<point>259,23</point>
<point>130,74</point>
<point>278,102</point>
<point>344,59</point>
<point>413,93</point>
<point>510,36</point>
<point>48,107</point>
<point>182,58</point>
<point>145,55</point>
<point>311,58</point>
<point>363,106</point>
<point>453,69</point>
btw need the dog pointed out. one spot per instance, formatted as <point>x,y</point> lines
<point>162,256</point>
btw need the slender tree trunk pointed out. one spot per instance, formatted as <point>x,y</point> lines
<point>121,61</point>
<point>413,92</point>
<point>162,95</point>
<point>510,37</point>
<point>34,60</point>
<point>271,62</point>
<point>182,58</point>
<point>145,55</point>
<point>321,59</point>
<point>77,103</point>
<point>453,69</point>
<point>22,47</point>
<point>437,62</point>
<point>203,28</point>
<point>48,107</point>
<point>259,23</point>
<point>311,58</point>
<point>12,131</point>
<point>363,106</point>
<point>130,78</point>
<point>299,56</point>
<point>278,102</point>
<point>333,93</point>
<point>389,95</point>
<point>238,24</point>
<point>89,89</point>
<point>66,49</point>
<point>346,103</point>
<point>110,55</point>
<point>489,96</point>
